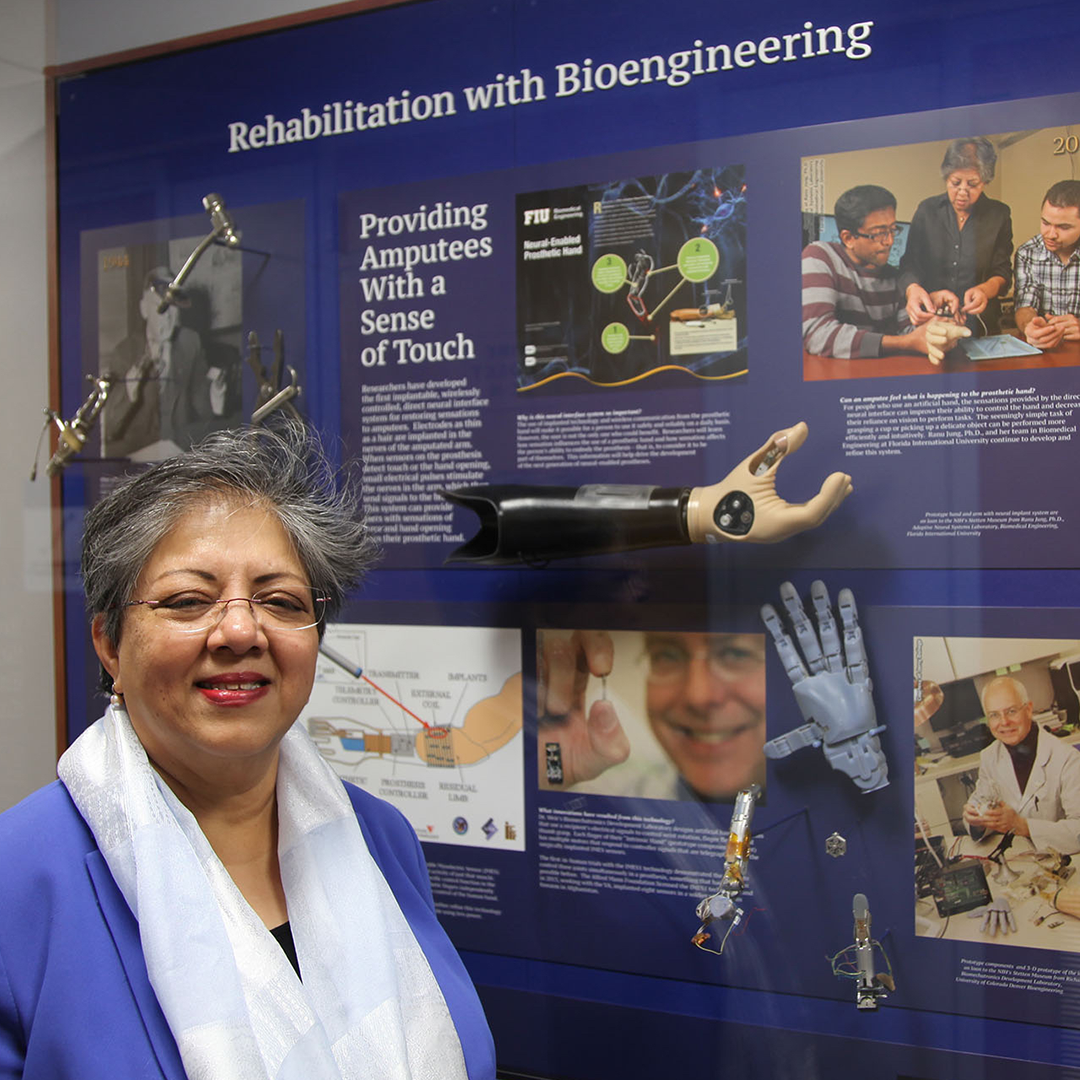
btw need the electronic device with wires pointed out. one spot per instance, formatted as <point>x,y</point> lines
<point>929,859</point>
<point>961,887</point>
<point>857,960</point>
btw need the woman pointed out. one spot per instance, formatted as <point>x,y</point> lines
<point>959,249</point>
<point>195,822</point>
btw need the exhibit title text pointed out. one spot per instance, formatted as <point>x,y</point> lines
<point>400,281</point>
<point>569,79</point>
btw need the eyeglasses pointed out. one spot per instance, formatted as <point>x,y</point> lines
<point>971,185</point>
<point>877,236</point>
<point>296,607</point>
<point>729,659</point>
<point>1011,713</point>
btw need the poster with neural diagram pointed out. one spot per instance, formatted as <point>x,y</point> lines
<point>430,719</point>
<point>621,280</point>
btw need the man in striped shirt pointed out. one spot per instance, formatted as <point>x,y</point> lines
<point>1048,271</point>
<point>852,306</point>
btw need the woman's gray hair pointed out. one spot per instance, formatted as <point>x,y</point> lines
<point>976,153</point>
<point>283,467</point>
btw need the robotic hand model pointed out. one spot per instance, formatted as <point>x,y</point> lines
<point>721,905</point>
<point>832,688</point>
<point>526,523</point>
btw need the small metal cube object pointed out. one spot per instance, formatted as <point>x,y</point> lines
<point>835,845</point>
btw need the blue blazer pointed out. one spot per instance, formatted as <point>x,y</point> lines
<point>75,999</point>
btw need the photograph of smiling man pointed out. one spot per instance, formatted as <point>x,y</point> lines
<point>659,714</point>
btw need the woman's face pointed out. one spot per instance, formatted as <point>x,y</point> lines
<point>964,188</point>
<point>216,703</point>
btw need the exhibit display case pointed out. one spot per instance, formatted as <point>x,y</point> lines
<point>590,269</point>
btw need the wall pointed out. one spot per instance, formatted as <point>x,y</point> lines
<point>106,26</point>
<point>26,655</point>
<point>34,33</point>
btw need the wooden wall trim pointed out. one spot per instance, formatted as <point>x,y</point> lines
<point>56,514</point>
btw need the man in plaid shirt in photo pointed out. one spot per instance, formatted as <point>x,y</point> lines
<point>1048,271</point>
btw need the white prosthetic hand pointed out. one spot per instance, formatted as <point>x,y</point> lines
<point>832,687</point>
<point>997,918</point>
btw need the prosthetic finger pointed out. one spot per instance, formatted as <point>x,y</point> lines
<point>804,631</point>
<point>789,655</point>
<point>745,506</point>
<point>857,668</point>
<point>795,739</point>
<point>830,637</point>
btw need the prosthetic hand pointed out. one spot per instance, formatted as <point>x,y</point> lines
<point>745,506</point>
<point>997,918</point>
<point>941,336</point>
<point>522,523</point>
<point>832,688</point>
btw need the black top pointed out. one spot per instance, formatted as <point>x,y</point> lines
<point>283,936</point>
<point>1023,756</point>
<point>940,255</point>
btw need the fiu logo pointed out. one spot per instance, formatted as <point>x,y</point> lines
<point>538,217</point>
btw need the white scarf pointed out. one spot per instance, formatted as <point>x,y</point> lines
<point>369,1007</point>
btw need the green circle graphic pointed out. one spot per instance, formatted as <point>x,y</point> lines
<point>615,337</point>
<point>609,273</point>
<point>698,259</point>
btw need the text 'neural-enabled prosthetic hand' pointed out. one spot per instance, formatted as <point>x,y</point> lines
<point>832,687</point>
<point>532,524</point>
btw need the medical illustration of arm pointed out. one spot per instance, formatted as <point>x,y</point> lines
<point>488,726</point>
<point>831,680</point>
<point>532,524</point>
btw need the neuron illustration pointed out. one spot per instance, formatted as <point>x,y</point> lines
<point>621,281</point>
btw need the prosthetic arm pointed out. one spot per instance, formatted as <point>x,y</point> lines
<point>721,905</point>
<point>223,230</point>
<point>857,960</point>
<point>73,432</point>
<point>832,688</point>
<point>525,523</point>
